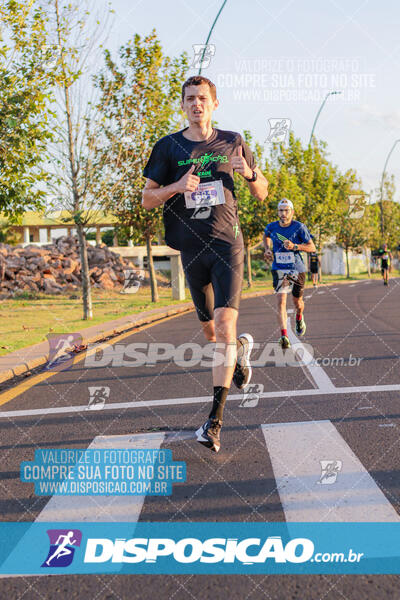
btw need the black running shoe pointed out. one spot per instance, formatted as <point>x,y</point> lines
<point>209,434</point>
<point>301,326</point>
<point>243,371</point>
<point>284,342</point>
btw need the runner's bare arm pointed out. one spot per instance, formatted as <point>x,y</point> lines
<point>258,188</point>
<point>154,195</point>
<point>308,247</point>
<point>268,254</point>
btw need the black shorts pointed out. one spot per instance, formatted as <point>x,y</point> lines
<point>298,287</point>
<point>215,277</point>
<point>313,268</point>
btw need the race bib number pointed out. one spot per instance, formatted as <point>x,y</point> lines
<point>284,258</point>
<point>209,193</point>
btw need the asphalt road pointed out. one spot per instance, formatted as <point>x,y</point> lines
<point>353,331</point>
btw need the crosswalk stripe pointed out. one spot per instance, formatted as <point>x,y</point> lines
<point>103,508</point>
<point>296,451</point>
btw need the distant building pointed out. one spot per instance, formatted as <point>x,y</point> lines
<point>43,228</point>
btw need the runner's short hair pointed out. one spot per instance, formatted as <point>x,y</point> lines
<point>199,80</point>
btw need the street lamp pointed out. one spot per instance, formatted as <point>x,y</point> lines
<point>209,35</point>
<point>319,112</point>
<point>382,181</point>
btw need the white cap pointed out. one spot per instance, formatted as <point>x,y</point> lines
<point>285,203</point>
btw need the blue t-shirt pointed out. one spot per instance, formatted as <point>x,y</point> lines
<point>284,259</point>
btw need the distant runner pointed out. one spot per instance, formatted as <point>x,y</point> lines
<point>314,267</point>
<point>283,241</point>
<point>386,263</point>
<point>190,173</point>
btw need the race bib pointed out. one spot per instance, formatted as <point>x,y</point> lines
<point>284,258</point>
<point>208,193</point>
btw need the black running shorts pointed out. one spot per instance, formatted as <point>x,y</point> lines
<point>298,287</point>
<point>214,276</point>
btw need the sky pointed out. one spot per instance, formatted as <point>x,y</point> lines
<point>277,59</point>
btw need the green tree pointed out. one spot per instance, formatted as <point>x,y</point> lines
<point>140,102</point>
<point>352,224</point>
<point>25,100</point>
<point>78,36</point>
<point>253,214</point>
<point>391,215</point>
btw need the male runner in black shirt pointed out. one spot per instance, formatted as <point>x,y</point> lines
<point>386,263</point>
<point>190,172</point>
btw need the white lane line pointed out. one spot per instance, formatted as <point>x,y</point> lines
<point>321,379</point>
<point>377,389</point>
<point>102,508</point>
<point>296,450</point>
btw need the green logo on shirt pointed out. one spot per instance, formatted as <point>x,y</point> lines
<point>236,230</point>
<point>203,160</point>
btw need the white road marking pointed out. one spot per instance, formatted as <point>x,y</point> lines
<point>296,450</point>
<point>319,376</point>
<point>365,407</point>
<point>387,425</point>
<point>200,400</point>
<point>102,508</point>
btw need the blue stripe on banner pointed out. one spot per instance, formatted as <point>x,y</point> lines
<point>199,548</point>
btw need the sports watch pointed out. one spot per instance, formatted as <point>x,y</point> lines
<point>252,178</point>
<point>295,247</point>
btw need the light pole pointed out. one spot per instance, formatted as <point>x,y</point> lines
<point>382,182</point>
<point>319,112</point>
<point>209,35</point>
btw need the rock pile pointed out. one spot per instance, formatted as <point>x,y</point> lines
<point>56,268</point>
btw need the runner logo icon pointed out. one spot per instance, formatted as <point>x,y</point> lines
<point>62,547</point>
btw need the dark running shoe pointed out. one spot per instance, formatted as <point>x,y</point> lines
<point>209,434</point>
<point>284,342</point>
<point>301,326</point>
<point>243,371</point>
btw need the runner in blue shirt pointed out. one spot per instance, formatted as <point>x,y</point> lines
<point>283,241</point>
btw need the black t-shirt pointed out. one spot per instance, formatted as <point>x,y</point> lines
<point>192,228</point>
<point>313,259</point>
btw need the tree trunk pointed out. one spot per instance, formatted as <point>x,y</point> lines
<point>367,261</point>
<point>319,256</point>
<point>86,287</point>
<point>248,264</point>
<point>152,273</point>
<point>78,201</point>
<point>347,263</point>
